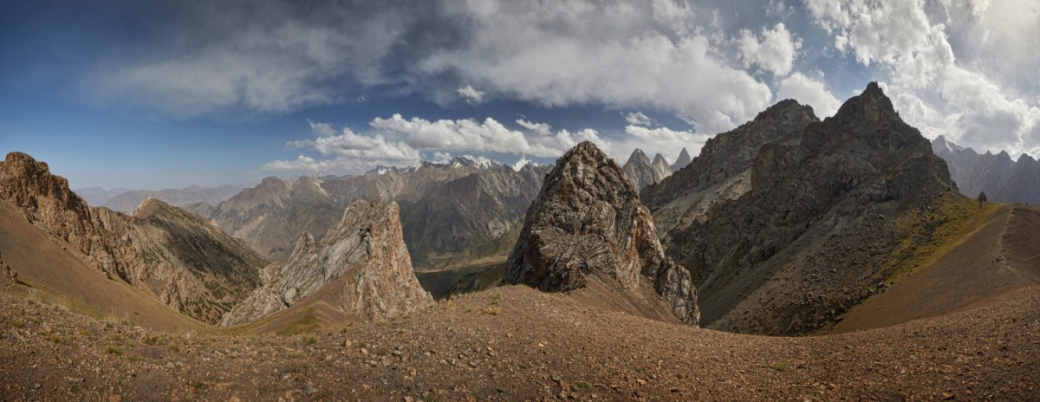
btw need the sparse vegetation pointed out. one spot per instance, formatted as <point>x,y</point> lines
<point>112,350</point>
<point>18,324</point>
<point>780,366</point>
<point>492,310</point>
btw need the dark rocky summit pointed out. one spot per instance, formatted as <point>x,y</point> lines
<point>722,171</point>
<point>588,228</point>
<point>817,230</point>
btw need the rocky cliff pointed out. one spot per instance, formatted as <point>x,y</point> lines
<point>823,223</point>
<point>588,228</point>
<point>361,268</point>
<point>722,171</point>
<point>175,256</point>
<point>1003,179</point>
<point>643,172</point>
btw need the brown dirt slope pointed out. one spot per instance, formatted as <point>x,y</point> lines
<point>1002,254</point>
<point>51,266</point>
<point>515,343</point>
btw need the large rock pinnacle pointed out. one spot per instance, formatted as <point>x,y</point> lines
<point>588,222</point>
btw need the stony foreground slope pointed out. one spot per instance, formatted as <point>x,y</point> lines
<point>587,228</point>
<point>515,343</point>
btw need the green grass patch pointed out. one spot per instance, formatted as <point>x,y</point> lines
<point>308,323</point>
<point>930,233</point>
<point>781,367</point>
<point>112,350</point>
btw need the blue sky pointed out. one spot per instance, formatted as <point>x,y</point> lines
<point>168,94</point>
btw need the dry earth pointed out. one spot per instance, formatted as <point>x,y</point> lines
<point>515,343</point>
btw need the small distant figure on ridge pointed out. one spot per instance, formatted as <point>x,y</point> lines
<point>982,198</point>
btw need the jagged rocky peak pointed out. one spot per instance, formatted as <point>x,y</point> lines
<point>681,161</point>
<point>587,224</point>
<point>643,172</point>
<point>361,268</point>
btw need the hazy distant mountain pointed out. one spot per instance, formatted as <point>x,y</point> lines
<point>642,172</point>
<point>271,216</point>
<point>445,207</point>
<point>95,195</point>
<point>469,211</point>
<point>1003,179</point>
<point>681,161</point>
<point>181,197</point>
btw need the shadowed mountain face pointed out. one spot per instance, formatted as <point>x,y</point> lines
<point>1001,178</point>
<point>587,229</point>
<point>823,219</point>
<point>722,171</point>
<point>361,269</point>
<point>643,172</point>
<point>175,256</point>
<point>469,211</point>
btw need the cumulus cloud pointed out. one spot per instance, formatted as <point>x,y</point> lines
<point>935,90</point>
<point>616,53</point>
<point>471,94</point>
<point>638,119</point>
<point>810,92</point>
<point>396,141</point>
<point>773,50</point>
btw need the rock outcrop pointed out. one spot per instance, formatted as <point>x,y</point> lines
<point>819,228</point>
<point>1003,179</point>
<point>360,268</point>
<point>588,225</point>
<point>681,161</point>
<point>176,256</point>
<point>643,172</point>
<point>722,171</point>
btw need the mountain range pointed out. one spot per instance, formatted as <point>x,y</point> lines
<point>125,200</point>
<point>585,284</point>
<point>1000,177</point>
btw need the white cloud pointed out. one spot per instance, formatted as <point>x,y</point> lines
<point>638,119</point>
<point>471,94</point>
<point>396,141</point>
<point>773,50</point>
<point>934,89</point>
<point>810,92</point>
<point>563,53</point>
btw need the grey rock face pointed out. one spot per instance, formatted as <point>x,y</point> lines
<point>643,172</point>
<point>817,226</point>
<point>1003,179</point>
<point>361,267</point>
<point>722,171</point>
<point>588,222</point>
